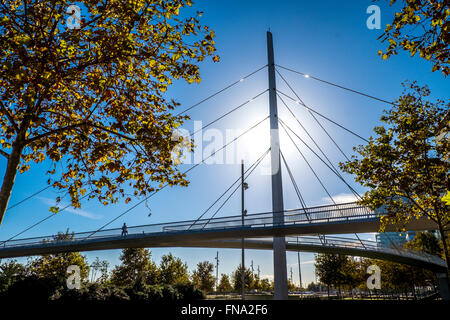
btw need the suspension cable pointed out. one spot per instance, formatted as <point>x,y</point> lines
<point>295,93</point>
<point>296,188</point>
<point>323,116</point>
<point>27,198</point>
<point>300,197</point>
<point>255,165</point>
<point>326,164</point>
<point>329,136</point>
<point>307,162</point>
<point>220,91</point>
<point>333,168</point>
<point>193,167</point>
<point>140,202</point>
<point>229,112</point>
<point>323,186</point>
<point>42,220</point>
<point>313,140</point>
<point>48,217</point>
<point>336,85</point>
<point>309,111</point>
<point>225,192</point>
<point>180,113</point>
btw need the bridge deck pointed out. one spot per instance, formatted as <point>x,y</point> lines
<point>331,219</point>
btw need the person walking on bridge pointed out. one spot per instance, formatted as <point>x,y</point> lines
<point>124,229</point>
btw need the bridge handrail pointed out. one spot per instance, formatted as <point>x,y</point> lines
<point>331,241</point>
<point>324,212</point>
<point>355,243</point>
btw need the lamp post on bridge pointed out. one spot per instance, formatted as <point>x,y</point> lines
<point>244,186</point>
<point>217,270</point>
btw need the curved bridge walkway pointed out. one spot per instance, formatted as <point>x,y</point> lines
<point>340,245</point>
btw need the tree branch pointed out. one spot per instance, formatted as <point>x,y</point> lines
<point>49,133</point>
<point>62,129</point>
<point>9,116</point>
<point>3,153</point>
<point>112,132</point>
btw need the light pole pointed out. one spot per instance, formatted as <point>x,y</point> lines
<point>244,186</point>
<point>299,269</point>
<point>217,270</point>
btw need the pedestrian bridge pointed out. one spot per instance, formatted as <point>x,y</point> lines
<point>224,232</point>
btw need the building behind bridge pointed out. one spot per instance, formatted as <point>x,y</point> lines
<point>388,239</point>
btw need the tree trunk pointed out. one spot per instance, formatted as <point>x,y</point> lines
<point>10,175</point>
<point>445,246</point>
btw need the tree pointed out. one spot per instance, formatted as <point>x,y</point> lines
<point>99,266</point>
<point>224,284</point>
<point>10,272</point>
<point>350,274</point>
<point>446,198</point>
<point>421,26</point>
<point>336,270</point>
<point>291,286</point>
<point>425,242</point>
<point>203,277</point>
<point>266,285</point>
<point>256,284</point>
<point>55,265</point>
<point>428,243</point>
<point>314,287</point>
<point>93,96</point>
<point>173,270</point>
<point>136,263</point>
<point>237,280</point>
<point>326,266</point>
<point>405,167</point>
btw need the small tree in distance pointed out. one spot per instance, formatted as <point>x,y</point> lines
<point>237,280</point>
<point>136,263</point>
<point>203,277</point>
<point>266,285</point>
<point>224,284</point>
<point>55,265</point>
<point>172,270</point>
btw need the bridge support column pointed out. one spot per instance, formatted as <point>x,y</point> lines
<point>443,285</point>
<point>279,243</point>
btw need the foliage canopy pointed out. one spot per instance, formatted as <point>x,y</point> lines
<point>93,96</point>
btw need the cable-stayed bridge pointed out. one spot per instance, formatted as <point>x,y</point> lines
<point>312,225</point>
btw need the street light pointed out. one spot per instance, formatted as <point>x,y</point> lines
<point>244,186</point>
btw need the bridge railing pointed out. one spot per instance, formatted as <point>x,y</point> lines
<point>333,241</point>
<point>310,215</point>
<point>319,214</point>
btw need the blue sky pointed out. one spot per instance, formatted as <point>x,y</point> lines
<point>327,39</point>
